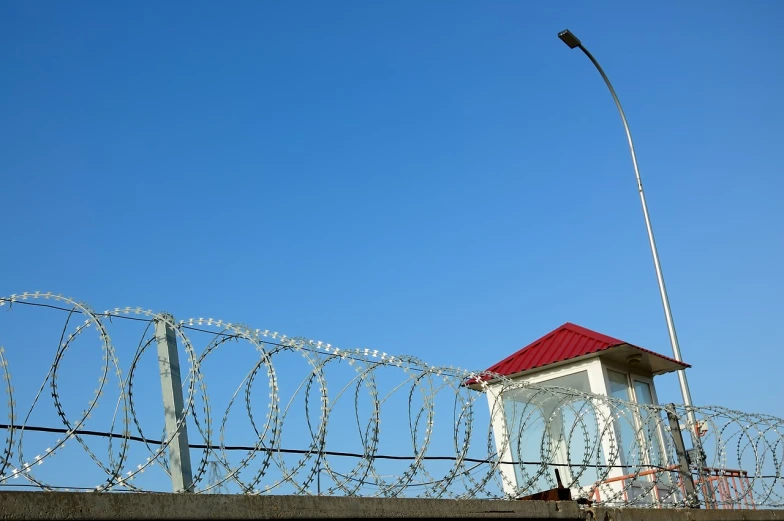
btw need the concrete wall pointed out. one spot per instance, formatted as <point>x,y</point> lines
<point>110,506</point>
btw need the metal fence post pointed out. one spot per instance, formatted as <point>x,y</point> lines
<point>171,384</point>
<point>683,463</point>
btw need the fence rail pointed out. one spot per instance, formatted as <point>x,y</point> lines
<point>289,415</point>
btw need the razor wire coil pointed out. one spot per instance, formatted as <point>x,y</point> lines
<point>458,444</point>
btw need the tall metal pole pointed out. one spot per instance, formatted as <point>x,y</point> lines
<point>571,40</point>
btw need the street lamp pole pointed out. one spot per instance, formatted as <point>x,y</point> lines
<point>572,41</point>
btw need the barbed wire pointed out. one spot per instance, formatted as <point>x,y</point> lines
<point>503,437</point>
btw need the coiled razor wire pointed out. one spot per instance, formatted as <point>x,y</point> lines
<point>352,422</point>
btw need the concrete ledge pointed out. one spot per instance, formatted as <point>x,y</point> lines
<point>110,506</point>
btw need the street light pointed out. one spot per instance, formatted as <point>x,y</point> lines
<point>572,41</point>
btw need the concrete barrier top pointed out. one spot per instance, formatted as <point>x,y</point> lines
<point>117,505</point>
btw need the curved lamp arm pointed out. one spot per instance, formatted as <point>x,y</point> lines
<point>572,41</point>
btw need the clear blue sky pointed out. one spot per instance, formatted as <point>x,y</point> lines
<point>441,179</point>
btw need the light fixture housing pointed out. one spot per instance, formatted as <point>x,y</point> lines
<point>634,359</point>
<point>569,39</point>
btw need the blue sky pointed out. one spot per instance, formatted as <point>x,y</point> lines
<point>445,180</point>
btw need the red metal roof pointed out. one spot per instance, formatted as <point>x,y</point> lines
<point>565,343</point>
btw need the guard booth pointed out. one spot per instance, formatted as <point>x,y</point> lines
<point>604,449</point>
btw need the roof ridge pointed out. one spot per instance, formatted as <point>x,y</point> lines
<point>591,333</point>
<point>547,349</point>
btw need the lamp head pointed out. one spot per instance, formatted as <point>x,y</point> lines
<point>634,359</point>
<point>569,39</point>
